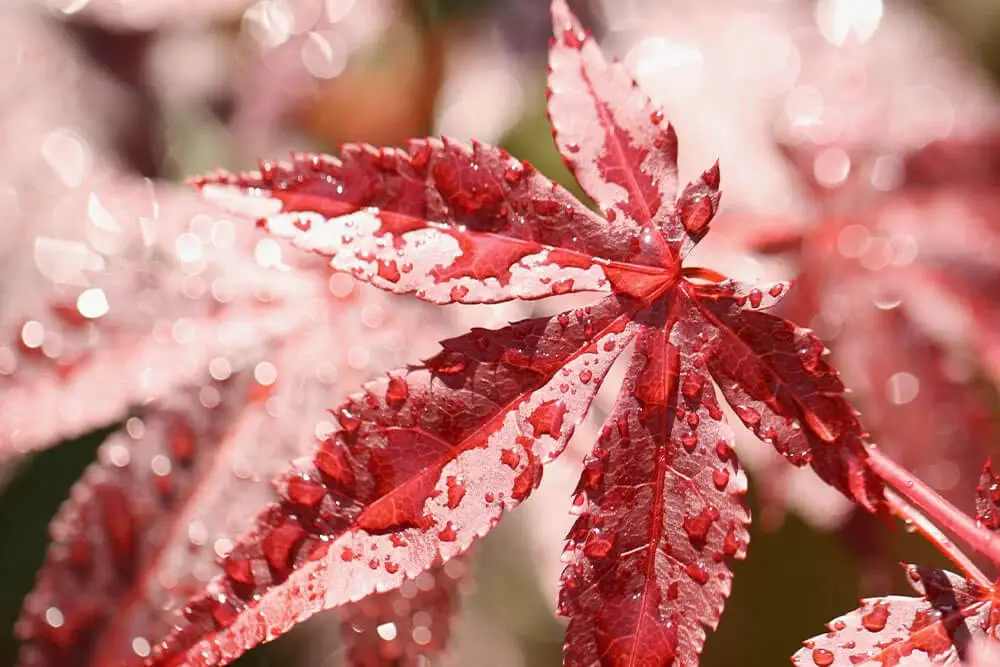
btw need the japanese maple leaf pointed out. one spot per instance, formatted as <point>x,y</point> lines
<point>175,489</point>
<point>898,279</point>
<point>938,628</point>
<point>935,629</point>
<point>427,459</point>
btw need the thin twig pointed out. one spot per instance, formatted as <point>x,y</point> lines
<point>913,517</point>
<point>933,505</point>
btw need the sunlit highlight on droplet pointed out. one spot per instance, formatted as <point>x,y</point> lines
<point>220,369</point>
<point>323,56</point>
<point>135,428</point>
<point>839,19</point>
<point>92,303</point>
<point>265,373</point>
<point>387,631</point>
<point>161,465</point>
<point>902,388</point>
<point>141,647</point>
<point>189,248</point>
<point>33,334</point>
<point>831,167</point>
<point>54,617</point>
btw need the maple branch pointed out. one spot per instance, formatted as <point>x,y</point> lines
<point>916,520</point>
<point>930,501</point>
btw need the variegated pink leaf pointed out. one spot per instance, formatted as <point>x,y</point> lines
<point>144,529</point>
<point>426,461</point>
<point>936,629</point>
<point>442,220</point>
<point>661,511</point>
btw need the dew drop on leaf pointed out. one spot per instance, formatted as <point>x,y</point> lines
<point>388,270</point>
<point>698,572</point>
<point>875,620</point>
<point>547,418</point>
<point>447,534</point>
<point>456,491</point>
<point>397,392</point>
<point>822,657</point>
<point>305,491</point>
<point>747,415</point>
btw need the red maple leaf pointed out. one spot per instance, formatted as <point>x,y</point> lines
<point>172,491</point>
<point>896,281</point>
<point>896,630</point>
<point>956,618</point>
<point>427,459</point>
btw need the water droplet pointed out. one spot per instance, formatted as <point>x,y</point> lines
<point>265,373</point>
<point>513,173</point>
<point>348,421</point>
<point>279,545</point>
<point>547,418</point>
<point>32,334</point>
<point>597,544</point>
<point>902,388</point>
<point>562,286</point>
<point>697,526</point>
<point>696,213</point>
<point>747,415</point>
<point>573,147</point>
<point>388,270</point>
<point>239,569</point>
<point>822,657</point>
<point>54,617</point>
<point>456,491</point>
<point>720,478</point>
<point>656,117</point>
<point>396,392</point>
<point>458,292</point>
<point>585,376</point>
<point>698,572</point>
<point>731,543</point>
<point>447,534</point>
<point>756,298</point>
<point>303,490</point>
<point>875,620</point>
<point>776,289</point>
<point>692,385</point>
<point>510,458</point>
<point>689,441</point>
<point>92,303</point>
<point>673,590</point>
